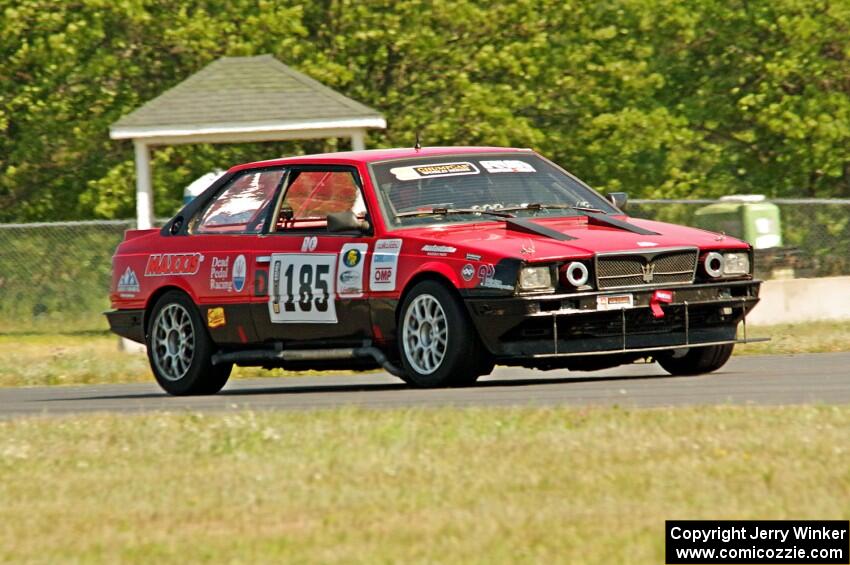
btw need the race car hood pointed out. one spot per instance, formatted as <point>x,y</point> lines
<point>583,238</point>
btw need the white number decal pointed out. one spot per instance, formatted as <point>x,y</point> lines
<point>302,288</point>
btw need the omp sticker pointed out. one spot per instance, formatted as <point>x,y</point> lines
<point>383,271</point>
<point>165,264</point>
<point>215,317</point>
<point>473,257</point>
<point>441,250</point>
<point>240,270</point>
<point>352,257</point>
<point>507,166</point>
<point>303,288</point>
<point>435,170</point>
<point>128,283</point>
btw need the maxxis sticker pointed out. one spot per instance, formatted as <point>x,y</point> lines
<point>303,288</point>
<point>168,264</point>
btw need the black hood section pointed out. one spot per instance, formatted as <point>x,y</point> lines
<point>599,219</point>
<point>529,226</point>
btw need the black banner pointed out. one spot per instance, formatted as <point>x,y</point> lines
<point>757,541</point>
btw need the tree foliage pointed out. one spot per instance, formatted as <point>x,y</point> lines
<point>661,98</point>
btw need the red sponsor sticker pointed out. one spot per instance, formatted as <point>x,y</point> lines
<point>165,264</point>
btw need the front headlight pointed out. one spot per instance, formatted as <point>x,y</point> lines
<point>536,278</point>
<point>736,263</point>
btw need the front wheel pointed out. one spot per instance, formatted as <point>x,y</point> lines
<point>180,349</point>
<point>696,360</point>
<point>439,345</point>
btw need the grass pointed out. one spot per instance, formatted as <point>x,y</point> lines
<point>789,339</point>
<point>410,486</point>
<point>92,357</point>
<point>36,359</point>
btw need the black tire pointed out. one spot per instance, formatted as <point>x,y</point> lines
<point>697,361</point>
<point>464,357</point>
<point>174,324</point>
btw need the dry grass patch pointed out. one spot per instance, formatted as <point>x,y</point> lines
<point>83,358</point>
<point>440,485</point>
<point>787,339</point>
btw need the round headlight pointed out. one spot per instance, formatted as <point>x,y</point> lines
<point>714,264</point>
<point>576,273</point>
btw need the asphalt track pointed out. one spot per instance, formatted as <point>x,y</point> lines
<point>776,379</point>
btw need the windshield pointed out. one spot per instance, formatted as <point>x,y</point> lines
<point>462,188</point>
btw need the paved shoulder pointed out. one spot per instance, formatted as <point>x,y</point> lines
<point>821,378</point>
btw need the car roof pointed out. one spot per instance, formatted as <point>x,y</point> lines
<point>375,155</point>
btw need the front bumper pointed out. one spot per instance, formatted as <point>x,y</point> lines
<point>569,325</point>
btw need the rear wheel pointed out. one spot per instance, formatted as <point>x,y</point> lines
<point>180,349</point>
<point>696,360</point>
<point>438,343</point>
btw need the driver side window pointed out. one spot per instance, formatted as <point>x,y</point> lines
<point>312,195</point>
<point>243,205</point>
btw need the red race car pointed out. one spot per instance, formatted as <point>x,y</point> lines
<point>432,263</point>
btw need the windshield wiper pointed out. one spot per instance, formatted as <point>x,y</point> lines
<point>452,211</point>
<point>536,206</point>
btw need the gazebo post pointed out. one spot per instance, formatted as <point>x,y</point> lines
<point>358,140</point>
<point>144,191</point>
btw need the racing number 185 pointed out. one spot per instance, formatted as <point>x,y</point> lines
<point>305,288</point>
<point>302,288</point>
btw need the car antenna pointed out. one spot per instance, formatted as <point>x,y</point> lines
<point>417,146</point>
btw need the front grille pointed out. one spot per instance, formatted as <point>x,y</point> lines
<point>645,268</point>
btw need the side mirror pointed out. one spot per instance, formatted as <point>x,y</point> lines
<point>618,199</point>
<point>346,221</point>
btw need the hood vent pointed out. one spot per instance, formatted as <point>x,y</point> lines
<point>528,226</point>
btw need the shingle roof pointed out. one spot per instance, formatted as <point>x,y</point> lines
<point>243,91</point>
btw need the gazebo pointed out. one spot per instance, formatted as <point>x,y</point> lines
<point>238,100</point>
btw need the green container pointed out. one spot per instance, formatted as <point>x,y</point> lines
<point>747,217</point>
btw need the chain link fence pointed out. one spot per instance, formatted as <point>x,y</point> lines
<point>56,276</point>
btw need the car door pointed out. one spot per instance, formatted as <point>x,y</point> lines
<point>313,279</point>
<point>223,238</point>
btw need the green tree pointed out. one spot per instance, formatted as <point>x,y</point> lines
<point>661,98</point>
